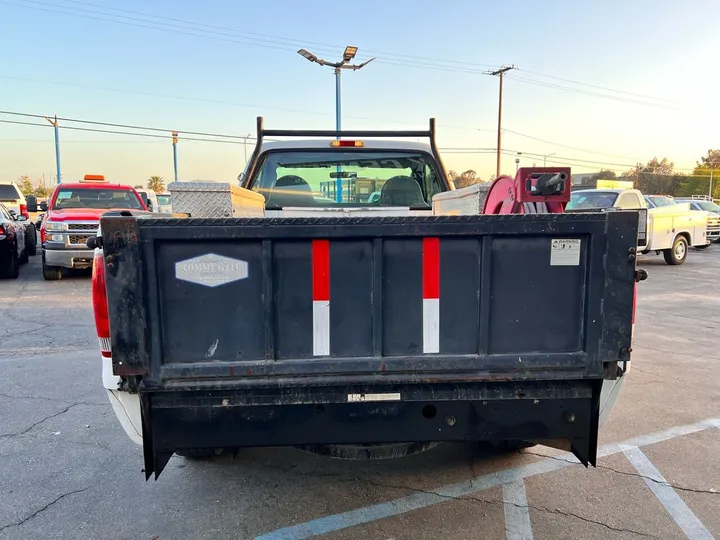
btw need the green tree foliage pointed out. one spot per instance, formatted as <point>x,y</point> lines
<point>26,186</point>
<point>468,178</point>
<point>699,182</point>
<point>156,184</point>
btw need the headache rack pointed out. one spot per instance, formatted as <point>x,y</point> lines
<point>337,134</point>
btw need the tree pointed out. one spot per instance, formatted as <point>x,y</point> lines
<point>605,174</point>
<point>655,177</point>
<point>699,182</point>
<point>26,185</point>
<point>156,184</point>
<point>468,178</point>
<point>42,191</point>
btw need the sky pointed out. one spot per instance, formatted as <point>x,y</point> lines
<point>648,69</point>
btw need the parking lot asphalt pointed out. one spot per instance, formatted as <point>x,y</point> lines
<point>67,470</point>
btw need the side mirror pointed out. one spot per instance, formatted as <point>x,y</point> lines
<point>149,205</point>
<point>32,205</point>
<point>43,206</point>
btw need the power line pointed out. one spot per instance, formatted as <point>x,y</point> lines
<point>564,145</point>
<point>598,86</point>
<point>180,26</point>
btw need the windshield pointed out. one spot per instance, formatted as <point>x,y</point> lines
<point>163,199</point>
<point>96,198</point>
<point>708,206</point>
<point>9,193</point>
<point>656,201</point>
<point>347,178</point>
<point>591,199</point>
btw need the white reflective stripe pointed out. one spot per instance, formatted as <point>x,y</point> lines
<point>431,325</point>
<point>104,344</point>
<point>321,328</point>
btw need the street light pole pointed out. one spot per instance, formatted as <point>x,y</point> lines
<point>245,138</point>
<point>348,55</point>
<point>545,158</point>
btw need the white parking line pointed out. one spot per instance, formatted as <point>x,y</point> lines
<point>417,501</point>
<point>676,507</point>
<point>517,513</point>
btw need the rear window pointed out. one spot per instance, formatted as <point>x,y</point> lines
<point>8,192</point>
<point>708,206</point>
<point>163,199</point>
<point>591,200</point>
<point>96,198</point>
<point>311,178</point>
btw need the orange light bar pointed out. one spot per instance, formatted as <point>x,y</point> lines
<point>94,178</point>
<point>340,144</point>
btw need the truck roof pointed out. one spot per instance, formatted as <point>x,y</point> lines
<point>99,185</point>
<point>324,144</point>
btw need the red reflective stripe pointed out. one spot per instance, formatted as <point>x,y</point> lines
<point>431,268</point>
<point>321,270</point>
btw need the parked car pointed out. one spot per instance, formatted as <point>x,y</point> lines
<point>164,202</point>
<point>149,198</point>
<point>13,199</point>
<point>12,244</point>
<point>700,205</point>
<point>30,232</point>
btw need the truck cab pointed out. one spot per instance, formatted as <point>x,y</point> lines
<point>73,216</point>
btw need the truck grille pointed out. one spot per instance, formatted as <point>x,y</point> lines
<point>82,226</point>
<point>78,239</point>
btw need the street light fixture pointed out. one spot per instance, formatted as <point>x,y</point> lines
<point>348,55</point>
<point>545,158</point>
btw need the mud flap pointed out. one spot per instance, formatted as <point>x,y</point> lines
<point>155,462</point>
<point>586,449</point>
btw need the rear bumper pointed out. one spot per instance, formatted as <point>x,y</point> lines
<point>565,410</point>
<point>68,258</point>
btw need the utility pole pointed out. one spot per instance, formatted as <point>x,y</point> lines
<point>710,191</point>
<point>245,139</point>
<point>637,176</point>
<point>54,123</point>
<point>499,73</point>
<point>175,141</point>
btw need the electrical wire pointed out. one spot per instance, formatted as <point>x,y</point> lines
<point>184,27</point>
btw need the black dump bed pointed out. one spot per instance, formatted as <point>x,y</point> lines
<point>251,332</point>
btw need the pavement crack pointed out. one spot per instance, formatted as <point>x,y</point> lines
<point>42,509</point>
<point>557,511</point>
<point>638,475</point>
<point>24,431</point>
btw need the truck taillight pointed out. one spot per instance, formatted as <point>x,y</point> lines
<point>100,305</point>
<point>24,211</point>
<point>42,235</point>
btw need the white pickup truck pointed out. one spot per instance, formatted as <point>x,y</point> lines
<point>671,229</point>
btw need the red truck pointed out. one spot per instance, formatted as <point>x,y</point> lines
<point>73,215</point>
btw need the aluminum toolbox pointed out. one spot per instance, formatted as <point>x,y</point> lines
<point>215,199</point>
<point>461,202</point>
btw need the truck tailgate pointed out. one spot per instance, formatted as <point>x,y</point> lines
<point>487,296</point>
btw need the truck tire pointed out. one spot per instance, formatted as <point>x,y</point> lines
<point>31,247</point>
<point>197,453</point>
<point>678,252</point>
<point>367,451</point>
<point>51,273</point>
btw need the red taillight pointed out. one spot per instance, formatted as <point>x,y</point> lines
<point>42,235</point>
<point>344,144</point>
<point>23,211</point>
<point>100,305</point>
<point>2,229</point>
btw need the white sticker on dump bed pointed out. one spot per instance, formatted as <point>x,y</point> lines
<point>211,270</point>
<point>355,398</point>
<point>565,251</point>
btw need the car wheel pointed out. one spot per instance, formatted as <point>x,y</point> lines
<point>31,247</point>
<point>12,271</point>
<point>51,273</point>
<point>678,252</point>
